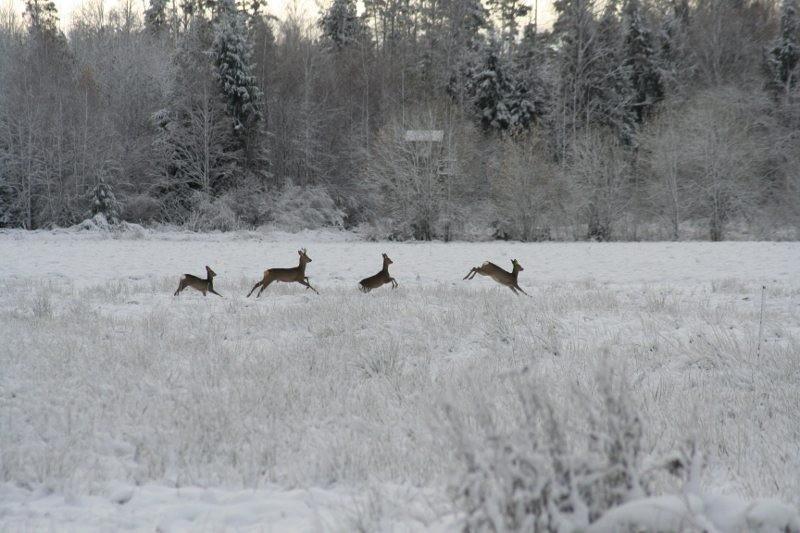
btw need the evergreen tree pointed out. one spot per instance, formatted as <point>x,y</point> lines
<point>674,57</point>
<point>195,141</point>
<point>508,12</point>
<point>341,25</point>
<point>232,67</point>
<point>104,202</point>
<point>42,17</point>
<point>641,61</point>
<point>491,90</point>
<point>530,78</point>
<point>155,17</point>
<point>575,31</point>
<point>784,58</point>
<point>613,92</point>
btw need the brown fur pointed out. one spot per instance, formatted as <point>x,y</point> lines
<point>200,284</point>
<point>500,275</point>
<point>286,275</point>
<point>379,279</point>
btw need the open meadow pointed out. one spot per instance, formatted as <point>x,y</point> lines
<point>633,370</point>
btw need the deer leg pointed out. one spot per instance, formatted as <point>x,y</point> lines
<point>181,286</point>
<point>212,291</point>
<point>513,289</point>
<point>394,283</point>
<point>520,290</point>
<point>264,285</point>
<point>257,285</point>
<point>471,272</point>
<point>308,285</point>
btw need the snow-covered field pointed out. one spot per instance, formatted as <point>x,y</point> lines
<point>122,407</point>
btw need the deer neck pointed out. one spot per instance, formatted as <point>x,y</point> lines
<point>302,267</point>
<point>515,272</point>
<point>385,269</point>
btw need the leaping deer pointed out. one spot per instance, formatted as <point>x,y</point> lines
<point>287,275</point>
<point>501,276</point>
<point>379,279</point>
<point>200,284</point>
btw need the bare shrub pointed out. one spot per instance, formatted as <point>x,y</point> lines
<point>600,174</point>
<point>526,472</point>
<point>213,215</point>
<point>525,189</point>
<point>297,208</point>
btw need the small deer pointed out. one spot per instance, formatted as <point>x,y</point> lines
<point>501,276</point>
<point>379,279</point>
<point>200,284</point>
<point>287,275</point>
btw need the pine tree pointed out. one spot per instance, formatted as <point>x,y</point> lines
<point>104,202</point>
<point>232,68</point>
<point>155,17</point>
<point>641,61</point>
<point>784,58</point>
<point>341,25</point>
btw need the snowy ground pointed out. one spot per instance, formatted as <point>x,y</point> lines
<point>122,407</point>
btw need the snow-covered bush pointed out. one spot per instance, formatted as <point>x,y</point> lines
<point>297,208</point>
<point>374,231</point>
<point>104,202</point>
<point>525,472</point>
<point>141,208</point>
<point>213,215</point>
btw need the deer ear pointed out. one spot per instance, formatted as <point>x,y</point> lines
<point>299,252</point>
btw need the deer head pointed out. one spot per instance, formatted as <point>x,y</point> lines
<point>210,273</point>
<point>303,256</point>
<point>516,265</point>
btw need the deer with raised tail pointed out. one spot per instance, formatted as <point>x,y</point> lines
<point>286,275</point>
<point>379,279</point>
<point>200,284</point>
<point>500,275</point>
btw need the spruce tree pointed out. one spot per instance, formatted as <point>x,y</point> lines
<point>575,30</point>
<point>341,25</point>
<point>641,61</point>
<point>491,90</point>
<point>232,68</point>
<point>104,202</point>
<point>784,57</point>
<point>42,17</point>
<point>198,151</point>
<point>155,17</point>
<point>612,92</point>
<point>531,90</point>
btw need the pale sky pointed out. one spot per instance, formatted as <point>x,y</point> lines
<point>277,7</point>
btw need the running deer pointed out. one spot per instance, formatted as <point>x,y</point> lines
<point>379,279</point>
<point>287,275</point>
<point>501,276</point>
<point>200,284</point>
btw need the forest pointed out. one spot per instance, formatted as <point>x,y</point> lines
<point>407,119</point>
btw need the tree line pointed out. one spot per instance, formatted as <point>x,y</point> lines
<point>627,119</point>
